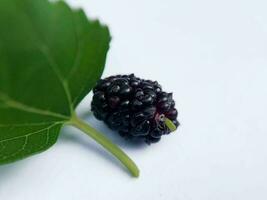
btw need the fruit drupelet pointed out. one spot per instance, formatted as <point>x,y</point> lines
<point>138,109</point>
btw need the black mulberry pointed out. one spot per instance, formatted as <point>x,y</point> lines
<point>135,107</point>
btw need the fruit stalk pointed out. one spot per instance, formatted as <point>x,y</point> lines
<point>170,124</point>
<point>106,143</point>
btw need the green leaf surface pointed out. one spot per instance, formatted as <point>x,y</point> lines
<point>50,58</point>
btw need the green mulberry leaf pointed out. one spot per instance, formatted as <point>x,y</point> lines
<point>50,58</point>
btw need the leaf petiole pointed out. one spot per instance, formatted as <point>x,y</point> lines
<point>106,143</point>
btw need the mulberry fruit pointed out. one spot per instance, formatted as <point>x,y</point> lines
<point>136,108</point>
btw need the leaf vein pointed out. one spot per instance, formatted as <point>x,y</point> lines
<point>78,51</point>
<point>44,48</point>
<point>28,134</point>
<point>31,124</point>
<point>20,106</point>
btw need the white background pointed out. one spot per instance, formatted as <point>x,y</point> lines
<point>213,56</point>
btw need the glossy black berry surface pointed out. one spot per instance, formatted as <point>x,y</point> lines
<point>135,107</point>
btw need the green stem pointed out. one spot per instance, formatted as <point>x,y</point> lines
<point>170,124</point>
<point>107,144</point>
